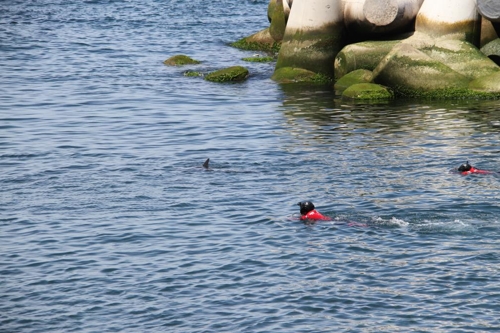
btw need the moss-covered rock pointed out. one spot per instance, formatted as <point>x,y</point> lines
<point>296,75</point>
<point>179,60</point>
<point>462,57</point>
<point>408,70</point>
<point>354,77</point>
<point>488,84</point>
<point>367,91</point>
<point>259,59</point>
<point>260,41</point>
<point>230,74</point>
<point>364,55</point>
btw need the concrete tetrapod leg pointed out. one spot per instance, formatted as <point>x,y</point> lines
<point>371,17</point>
<point>277,17</point>
<point>459,19</point>
<point>313,37</point>
<point>362,55</point>
<point>489,9</point>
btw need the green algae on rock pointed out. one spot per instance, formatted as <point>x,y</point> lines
<point>192,74</point>
<point>259,59</point>
<point>362,55</point>
<point>299,75</point>
<point>462,57</point>
<point>489,84</point>
<point>407,68</point>
<point>354,77</point>
<point>367,91</point>
<point>259,41</point>
<point>179,60</point>
<point>230,74</point>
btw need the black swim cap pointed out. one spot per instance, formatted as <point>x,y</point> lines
<point>465,167</point>
<point>305,207</point>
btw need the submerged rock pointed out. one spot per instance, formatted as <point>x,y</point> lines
<point>179,60</point>
<point>295,75</point>
<point>259,59</point>
<point>230,74</point>
<point>259,41</point>
<point>354,77</point>
<point>367,91</point>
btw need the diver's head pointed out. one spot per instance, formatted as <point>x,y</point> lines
<point>465,167</point>
<point>305,207</point>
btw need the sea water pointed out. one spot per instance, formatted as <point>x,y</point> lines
<point>109,222</point>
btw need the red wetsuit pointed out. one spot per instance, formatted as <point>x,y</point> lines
<point>474,170</point>
<point>315,215</point>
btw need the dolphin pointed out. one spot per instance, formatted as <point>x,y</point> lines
<point>205,165</point>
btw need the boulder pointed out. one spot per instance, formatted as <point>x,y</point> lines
<point>259,41</point>
<point>179,60</point>
<point>367,92</point>
<point>230,74</point>
<point>354,77</point>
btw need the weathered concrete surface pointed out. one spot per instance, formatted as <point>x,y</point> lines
<point>313,37</point>
<point>492,50</point>
<point>490,9</point>
<point>410,71</point>
<point>457,19</point>
<point>376,17</point>
<point>363,55</point>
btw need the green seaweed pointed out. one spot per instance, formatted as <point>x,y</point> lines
<point>230,74</point>
<point>367,91</point>
<point>299,75</point>
<point>180,60</point>
<point>446,93</point>
<point>244,44</point>
<point>259,59</point>
<point>192,74</point>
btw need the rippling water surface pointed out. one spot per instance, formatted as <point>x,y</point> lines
<point>108,222</point>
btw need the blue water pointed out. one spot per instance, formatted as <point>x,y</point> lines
<point>108,222</point>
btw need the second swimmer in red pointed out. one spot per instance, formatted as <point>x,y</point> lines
<point>466,169</point>
<point>308,212</point>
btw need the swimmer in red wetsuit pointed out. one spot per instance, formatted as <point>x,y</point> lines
<point>467,169</point>
<point>308,212</point>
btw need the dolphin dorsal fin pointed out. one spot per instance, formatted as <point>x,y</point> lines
<point>205,165</point>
